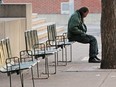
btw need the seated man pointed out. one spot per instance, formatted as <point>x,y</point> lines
<point>77,32</point>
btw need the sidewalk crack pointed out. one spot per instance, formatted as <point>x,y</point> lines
<point>104,79</point>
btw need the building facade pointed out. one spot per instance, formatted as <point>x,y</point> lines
<point>55,6</point>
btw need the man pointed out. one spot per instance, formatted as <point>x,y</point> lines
<point>77,32</point>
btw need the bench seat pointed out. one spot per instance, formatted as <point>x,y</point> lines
<point>23,66</point>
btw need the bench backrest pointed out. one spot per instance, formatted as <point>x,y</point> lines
<point>2,57</point>
<point>13,64</point>
<point>31,38</point>
<point>53,38</point>
<point>51,30</point>
<point>5,51</point>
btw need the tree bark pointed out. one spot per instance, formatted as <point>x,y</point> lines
<point>108,34</point>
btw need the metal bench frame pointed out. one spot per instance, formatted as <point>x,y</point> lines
<point>59,41</point>
<point>39,49</point>
<point>14,64</point>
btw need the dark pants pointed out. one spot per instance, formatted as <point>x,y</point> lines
<point>93,47</point>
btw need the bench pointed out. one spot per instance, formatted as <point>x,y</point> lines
<point>39,49</point>
<point>59,41</point>
<point>10,65</point>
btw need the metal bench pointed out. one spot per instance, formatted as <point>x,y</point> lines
<point>39,49</point>
<point>12,65</point>
<point>59,41</point>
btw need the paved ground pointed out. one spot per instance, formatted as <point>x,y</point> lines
<point>78,73</point>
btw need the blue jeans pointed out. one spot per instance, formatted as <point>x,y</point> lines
<point>93,47</point>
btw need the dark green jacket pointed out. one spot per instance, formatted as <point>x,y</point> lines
<point>76,26</point>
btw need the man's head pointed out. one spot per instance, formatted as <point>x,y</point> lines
<point>83,11</point>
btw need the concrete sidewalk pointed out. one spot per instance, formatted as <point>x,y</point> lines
<point>78,73</point>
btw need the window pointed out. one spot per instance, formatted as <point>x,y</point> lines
<point>64,7</point>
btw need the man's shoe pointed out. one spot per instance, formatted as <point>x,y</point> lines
<point>97,58</point>
<point>94,60</point>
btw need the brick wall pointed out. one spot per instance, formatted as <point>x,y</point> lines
<point>53,6</point>
<point>93,5</point>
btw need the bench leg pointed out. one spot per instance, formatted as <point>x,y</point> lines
<point>70,53</point>
<point>55,56</point>
<point>62,54</point>
<point>46,70</point>
<point>32,77</point>
<point>38,70</point>
<point>21,78</point>
<point>46,67</point>
<point>65,55</point>
<point>9,74</point>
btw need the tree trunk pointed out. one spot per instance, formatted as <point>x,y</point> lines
<point>108,34</point>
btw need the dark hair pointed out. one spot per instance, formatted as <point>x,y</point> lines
<point>82,10</point>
